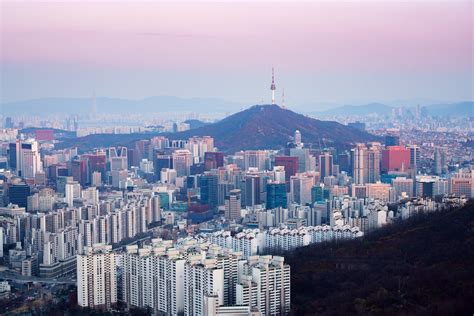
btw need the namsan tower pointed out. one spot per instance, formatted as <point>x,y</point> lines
<point>273,87</point>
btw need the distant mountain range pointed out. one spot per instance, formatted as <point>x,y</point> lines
<point>258,127</point>
<point>119,106</point>
<point>443,109</point>
<point>159,104</point>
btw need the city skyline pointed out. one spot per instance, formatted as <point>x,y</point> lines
<point>245,158</point>
<point>348,53</point>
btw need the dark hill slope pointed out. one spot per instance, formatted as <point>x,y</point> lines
<point>270,126</point>
<point>422,266</point>
<point>259,127</point>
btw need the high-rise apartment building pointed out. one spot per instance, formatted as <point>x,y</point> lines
<point>153,278</point>
<point>201,279</point>
<point>265,284</point>
<point>96,280</point>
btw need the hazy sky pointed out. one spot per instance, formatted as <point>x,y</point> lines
<point>325,51</point>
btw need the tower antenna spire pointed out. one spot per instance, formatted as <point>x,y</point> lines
<point>273,87</point>
<point>283,98</point>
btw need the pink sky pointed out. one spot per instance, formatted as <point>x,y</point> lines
<point>380,37</point>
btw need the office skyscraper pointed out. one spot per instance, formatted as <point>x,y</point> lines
<point>252,190</point>
<point>14,155</point>
<point>325,165</point>
<point>319,193</point>
<point>395,158</point>
<point>182,161</point>
<point>360,161</point>
<point>298,142</point>
<point>414,158</point>
<point>392,140</point>
<point>255,159</point>
<point>276,195</point>
<point>79,170</point>
<point>440,161</point>
<point>208,186</point>
<point>18,194</point>
<point>402,185</point>
<point>462,184</point>
<point>213,160</point>
<point>233,205</point>
<point>8,122</point>
<point>97,163</point>
<point>304,158</point>
<point>290,164</point>
<point>373,160</point>
<point>160,162</point>
<point>199,146</point>
<point>24,158</point>
<point>118,158</point>
<point>301,189</point>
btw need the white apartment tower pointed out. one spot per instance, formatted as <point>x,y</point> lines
<point>96,281</point>
<point>268,287</point>
<point>153,277</point>
<point>201,278</point>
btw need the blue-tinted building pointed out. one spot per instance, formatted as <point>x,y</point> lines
<point>276,195</point>
<point>319,194</point>
<point>208,188</point>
